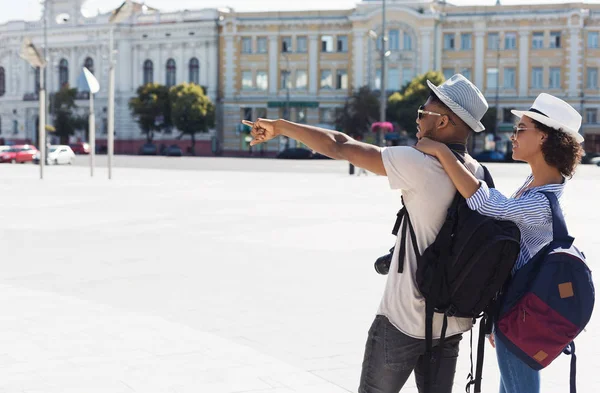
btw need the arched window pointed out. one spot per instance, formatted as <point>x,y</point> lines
<point>89,64</point>
<point>194,71</point>
<point>148,72</point>
<point>171,73</point>
<point>63,73</point>
<point>2,81</point>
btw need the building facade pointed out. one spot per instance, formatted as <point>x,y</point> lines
<point>303,65</point>
<point>165,48</point>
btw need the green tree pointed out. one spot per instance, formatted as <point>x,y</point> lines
<point>151,109</point>
<point>403,105</point>
<point>191,110</point>
<point>63,106</point>
<point>359,112</point>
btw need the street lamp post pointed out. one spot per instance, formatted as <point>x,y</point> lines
<point>383,96</point>
<point>30,54</point>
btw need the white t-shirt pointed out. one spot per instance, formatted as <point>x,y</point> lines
<point>427,191</point>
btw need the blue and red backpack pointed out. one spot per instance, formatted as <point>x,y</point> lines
<point>548,302</point>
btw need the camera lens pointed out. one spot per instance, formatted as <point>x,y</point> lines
<point>382,264</point>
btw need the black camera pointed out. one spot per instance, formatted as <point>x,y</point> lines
<point>382,264</point>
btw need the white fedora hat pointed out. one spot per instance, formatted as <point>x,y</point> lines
<point>464,99</point>
<point>554,113</point>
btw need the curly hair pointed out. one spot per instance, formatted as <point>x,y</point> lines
<point>560,149</point>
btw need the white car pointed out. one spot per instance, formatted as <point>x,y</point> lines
<point>60,154</point>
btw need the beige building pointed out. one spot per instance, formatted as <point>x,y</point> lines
<point>309,62</point>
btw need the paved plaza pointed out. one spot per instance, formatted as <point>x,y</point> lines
<point>216,275</point>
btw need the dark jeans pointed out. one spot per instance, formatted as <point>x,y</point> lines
<point>390,357</point>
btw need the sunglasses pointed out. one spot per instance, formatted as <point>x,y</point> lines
<point>517,129</point>
<point>421,111</point>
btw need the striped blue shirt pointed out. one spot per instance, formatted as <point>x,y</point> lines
<point>529,209</point>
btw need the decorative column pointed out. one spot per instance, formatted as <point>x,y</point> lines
<point>229,67</point>
<point>273,63</point>
<point>313,64</point>
<point>425,50</point>
<point>524,63</point>
<point>479,72</point>
<point>358,58</point>
<point>575,61</point>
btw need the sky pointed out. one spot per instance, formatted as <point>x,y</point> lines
<point>31,9</point>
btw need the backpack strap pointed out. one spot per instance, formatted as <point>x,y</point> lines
<point>570,350</point>
<point>559,226</point>
<point>403,218</point>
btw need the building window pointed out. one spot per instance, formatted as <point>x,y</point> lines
<point>509,78</point>
<point>301,115</point>
<point>592,78</point>
<point>326,79</point>
<point>286,79</point>
<point>493,41</point>
<point>148,72</point>
<point>89,64</point>
<point>326,115</point>
<point>342,43</point>
<point>592,39</point>
<point>537,78</point>
<point>555,39</point>
<point>0,124</point>
<point>261,113</point>
<point>449,41</point>
<point>301,79</point>
<point>465,41</point>
<point>537,40</point>
<point>2,81</point>
<point>247,114</point>
<point>261,45</point>
<point>492,78</point>
<point>407,75</point>
<point>554,78</point>
<point>448,72</point>
<point>393,79</point>
<point>194,71</point>
<point>341,80</point>
<point>301,45</point>
<point>171,73</point>
<point>510,41</point>
<point>63,73</point>
<point>507,116</point>
<point>407,42</point>
<point>262,80</point>
<point>36,87</point>
<point>247,80</point>
<point>394,39</point>
<point>327,43</point>
<point>246,44</point>
<point>286,44</point>
<point>466,72</point>
<point>591,116</point>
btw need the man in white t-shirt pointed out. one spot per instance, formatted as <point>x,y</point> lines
<point>396,341</point>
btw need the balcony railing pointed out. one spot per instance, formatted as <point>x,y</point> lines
<point>31,97</point>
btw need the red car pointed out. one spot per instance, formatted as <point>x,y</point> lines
<point>80,148</point>
<point>19,154</point>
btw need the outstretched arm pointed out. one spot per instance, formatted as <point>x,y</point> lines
<point>333,144</point>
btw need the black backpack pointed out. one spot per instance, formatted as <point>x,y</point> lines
<point>463,271</point>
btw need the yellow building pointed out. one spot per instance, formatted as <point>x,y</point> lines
<point>309,62</point>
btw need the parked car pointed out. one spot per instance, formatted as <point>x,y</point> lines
<point>60,154</point>
<point>148,149</point>
<point>490,156</point>
<point>80,148</point>
<point>4,148</point>
<point>295,153</point>
<point>18,154</point>
<point>173,151</point>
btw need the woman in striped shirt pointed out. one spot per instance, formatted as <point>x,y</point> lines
<point>547,138</point>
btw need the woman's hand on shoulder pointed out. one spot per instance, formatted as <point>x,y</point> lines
<point>430,147</point>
